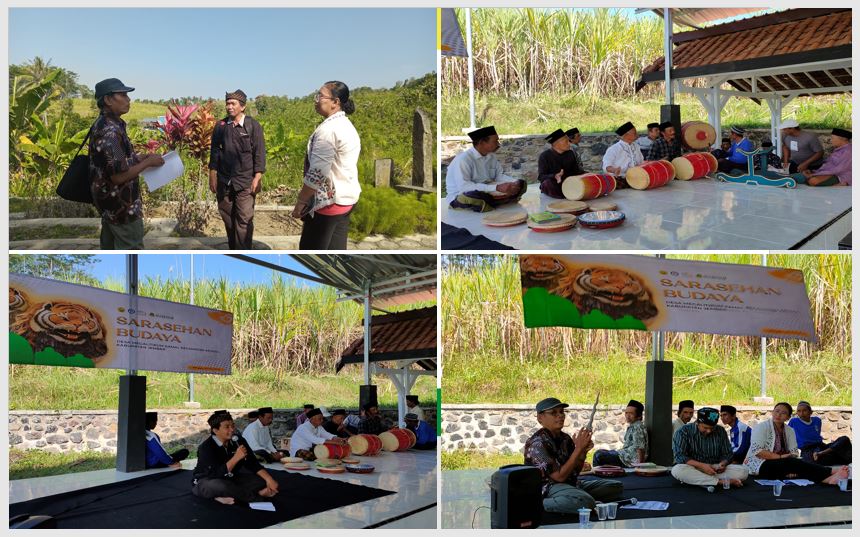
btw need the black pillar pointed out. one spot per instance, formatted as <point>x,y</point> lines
<point>131,425</point>
<point>367,394</point>
<point>671,112</point>
<point>658,418</point>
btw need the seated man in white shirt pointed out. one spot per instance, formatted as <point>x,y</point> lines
<point>412,405</point>
<point>259,437</point>
<point>309,434</point>
<point>475,179</point>
<point>623,154</point>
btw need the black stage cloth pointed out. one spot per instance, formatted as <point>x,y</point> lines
<point>457,238</point>
<point>686,500</point>
<point>164,500</point>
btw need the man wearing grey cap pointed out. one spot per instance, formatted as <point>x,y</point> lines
<point>114,170</point>
<point>559,457</point>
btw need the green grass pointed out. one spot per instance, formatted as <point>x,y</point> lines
<point>463,459</point>
<point>64,388</point>
<point>53,232</point>
<point>38,463</point>
<point>137,112</point>
<point>545,113</point>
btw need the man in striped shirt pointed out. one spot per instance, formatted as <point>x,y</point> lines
<point>703,453</point>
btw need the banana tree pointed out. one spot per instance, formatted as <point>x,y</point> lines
<point>46,152</point>
<point>28,104</point>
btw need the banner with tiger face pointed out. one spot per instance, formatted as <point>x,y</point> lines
<point>649,293</point>
<point>65,324</point>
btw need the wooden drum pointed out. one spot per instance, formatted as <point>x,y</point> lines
<point>587,186</point>
<point>694,166</point>
<point>397,440</point>
<point>651,174</point>
<point>697,135</point>
<point>365,444</point>
<point>330,450</point>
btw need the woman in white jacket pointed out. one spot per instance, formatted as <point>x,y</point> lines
<point>331,187</point>
<point>773,452</point>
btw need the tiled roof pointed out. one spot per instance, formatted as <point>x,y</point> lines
<point>785,34</point>
<point>407,334</point>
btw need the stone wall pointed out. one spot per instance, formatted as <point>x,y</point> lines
<point>519,153</point>
<point>95,430</point>
<point>505,428</point>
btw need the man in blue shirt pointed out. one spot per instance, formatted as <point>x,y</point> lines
<point>735,159</point>
<point>425,436</point>
<point>739,433</point>
<point>807,428</point>
<point>156,455</point>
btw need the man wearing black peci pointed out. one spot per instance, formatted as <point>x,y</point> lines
<point>226,469</point>
<point>557,163</point>
<point>237,162</point>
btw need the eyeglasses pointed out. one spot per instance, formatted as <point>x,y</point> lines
<point>553,413</point>
<point>320,96</point>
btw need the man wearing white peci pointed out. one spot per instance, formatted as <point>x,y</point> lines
<point>703,453</point>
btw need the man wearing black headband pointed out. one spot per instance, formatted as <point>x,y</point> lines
<point>556,163</point>
<point>226,470</point>
<point>334,425</point>
<point>623,154</point>
<point>309,434</point>
<point>735,159</point>
<point>739,433</point>
<point>807,429</point>
<point>635,448</point>
<point>703,453</point>
<point>477,172</point>
<point>560,458</point>
<point>644,142</point>
<point>685,414</point>
<point>237,161</point>
<point>836,169</point>
<point>667,146</point>
<point>259,436</point>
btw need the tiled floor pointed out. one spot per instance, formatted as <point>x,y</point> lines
<point>465,491</point>
<point>704,214</point>
<point>411,474</point>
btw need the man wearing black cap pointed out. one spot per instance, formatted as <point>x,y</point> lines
<point>310,434</point>
<point>237,162</point>
<point>739,433</point>
<point>114,170</point>
<point>685,414</point>
<point>334,425</point>
<point>560,458</point>
<point>425,436</point>
<point>412,406</point>
<point>836,169</point>
<point>807,429</point>
<point>556,163</point>
<point>476,174</point>
<point>623,154</point>
<point>303,416</point>
<point>371,423</point>
<point>644,142</point>
<point>259,436</point>
<point>735,159</point>
<point>156,455</point>
<point>667,146</point>
<point>703,453</point>
<point>635,447</point>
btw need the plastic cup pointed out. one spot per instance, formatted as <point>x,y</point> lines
<point>612,510</point>
<point>726,482</point>
<point>777,488</point>
<point>584,514</point>
<point>601,511</point>
<point>843,485</point>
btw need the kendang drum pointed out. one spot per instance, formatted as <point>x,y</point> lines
<point>397,439</point>
<point>694,166</point>
<point>697,135</point>
<point>588,186</point>
<point>330,450</point>
<point>365,444</point>
<point>651,174</point>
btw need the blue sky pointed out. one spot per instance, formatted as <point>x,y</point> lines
<point>171,266</point>
<point>167,53</point>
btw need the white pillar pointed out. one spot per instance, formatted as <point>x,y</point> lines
<point>715,114</point>
<point>667,54</point>
<point>471,65</point>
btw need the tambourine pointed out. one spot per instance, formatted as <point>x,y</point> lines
<point>331,470</point>
<point>567,206</point>
<point>359,468</point>
<point>297,466</point>
<point>602,219</point>
<point>505,218</point>
<point>651,471</point>
<point>565,222</point>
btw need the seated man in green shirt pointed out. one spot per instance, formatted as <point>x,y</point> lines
<point>703,452</point>
<point>635,448</point>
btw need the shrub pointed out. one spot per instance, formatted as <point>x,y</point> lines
<point>387,212</point>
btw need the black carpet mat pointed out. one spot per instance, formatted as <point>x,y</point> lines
<point>686,500</point>
<point>164,500</point>
<point>457,238</point>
